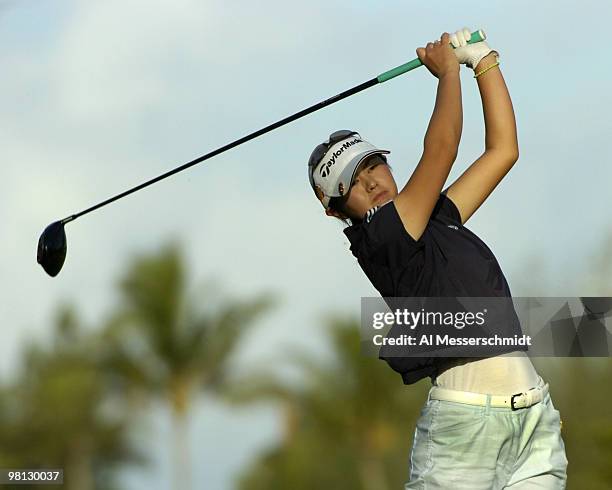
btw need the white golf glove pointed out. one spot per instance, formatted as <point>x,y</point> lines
<point>469,54</point>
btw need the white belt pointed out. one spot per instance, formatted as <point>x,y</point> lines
<point>516,401</point>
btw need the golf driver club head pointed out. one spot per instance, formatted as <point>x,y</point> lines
<point>52,248</point>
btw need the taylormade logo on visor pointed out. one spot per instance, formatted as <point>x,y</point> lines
<point>324,170</point>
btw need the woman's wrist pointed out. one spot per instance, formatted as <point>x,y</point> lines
<point>486,62</point>
<point>448,74</point>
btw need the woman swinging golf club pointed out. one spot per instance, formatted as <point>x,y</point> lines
<point>488,422</point>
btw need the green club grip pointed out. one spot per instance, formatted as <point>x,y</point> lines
<point>411,65</point>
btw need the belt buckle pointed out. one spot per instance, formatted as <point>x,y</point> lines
<point>512,401</point>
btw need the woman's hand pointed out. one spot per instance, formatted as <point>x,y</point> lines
<point>469,54</point>
<point>439,57</point>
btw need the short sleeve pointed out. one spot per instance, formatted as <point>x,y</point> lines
<point>447,208</point>
<point>384,225</point>
<point>385,251</point>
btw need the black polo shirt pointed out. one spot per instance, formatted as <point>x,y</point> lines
<point>447,260</point>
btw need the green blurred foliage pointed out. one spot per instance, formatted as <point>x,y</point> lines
<point>80,396</point>
<point>580,390</point>
<point>349,426</point>
<point>53,415</point>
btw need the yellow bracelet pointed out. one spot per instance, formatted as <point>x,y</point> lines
<point>486,69</point>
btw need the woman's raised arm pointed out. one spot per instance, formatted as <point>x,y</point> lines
<point>471,189</point>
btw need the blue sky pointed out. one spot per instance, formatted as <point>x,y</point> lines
<point>99,96</point>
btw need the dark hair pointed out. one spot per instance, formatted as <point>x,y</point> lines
<point>337,204</point>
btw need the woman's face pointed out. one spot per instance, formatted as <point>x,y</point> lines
<point>373,185</point>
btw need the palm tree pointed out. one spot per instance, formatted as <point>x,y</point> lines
<point>163,345</point>
<point>52,415</point>
<point>348,426</point>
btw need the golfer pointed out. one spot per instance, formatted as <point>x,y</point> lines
<point>488,422</point>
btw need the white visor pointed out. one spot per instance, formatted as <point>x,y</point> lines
<point>333,176</point>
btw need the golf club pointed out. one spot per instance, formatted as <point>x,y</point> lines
<point>52,245</point>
